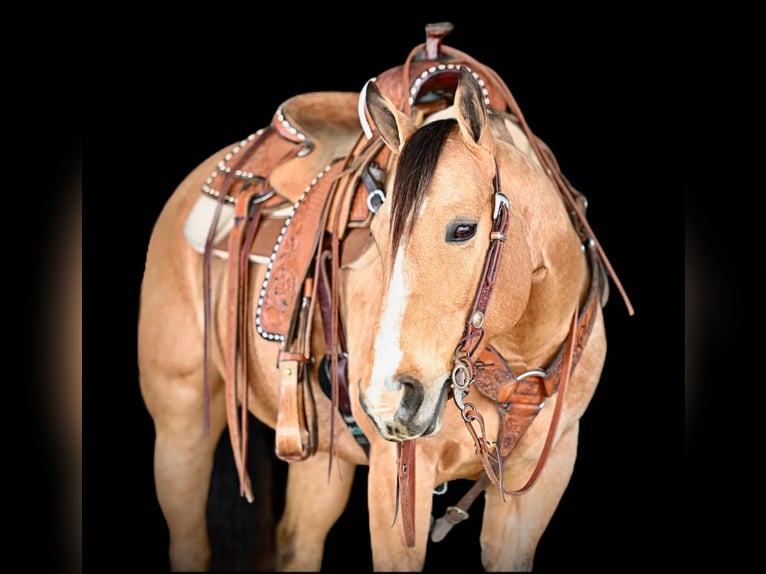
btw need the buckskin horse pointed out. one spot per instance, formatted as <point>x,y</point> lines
<point>401,278</point>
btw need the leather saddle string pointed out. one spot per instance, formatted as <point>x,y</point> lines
<point>206,270</point>
<point>325,304</point>
<point>334,341</point>
<point>235,431</point>
<point>245,222</point>
<point>253,219</point>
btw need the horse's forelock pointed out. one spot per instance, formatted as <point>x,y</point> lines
<point>415,169</point>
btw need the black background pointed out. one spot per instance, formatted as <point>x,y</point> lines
<point>604,94</point>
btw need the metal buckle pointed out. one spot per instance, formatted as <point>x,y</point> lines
<point>375,206</point>
<point>500,199</point>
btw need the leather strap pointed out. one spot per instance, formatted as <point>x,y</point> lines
<point>474,329</point>
<point>331,316</point>
<point>405,488</point>
<point>459,512</point>
<point>246,217</point>
<point>296,426</point>
<point>228,173</point>
<point>324,296</point>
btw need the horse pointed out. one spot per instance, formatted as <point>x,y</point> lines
<point>400,278</point>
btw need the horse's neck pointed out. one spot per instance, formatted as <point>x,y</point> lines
<point>537,336</point>
<point>560,280</point>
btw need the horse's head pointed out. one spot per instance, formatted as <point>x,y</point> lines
<point>433,234</point>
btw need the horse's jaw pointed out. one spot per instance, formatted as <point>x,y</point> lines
<point>400,413</point>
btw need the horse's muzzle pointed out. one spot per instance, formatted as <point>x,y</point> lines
<point>415,416</point>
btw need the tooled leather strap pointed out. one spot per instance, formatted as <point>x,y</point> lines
<point>474,331</point>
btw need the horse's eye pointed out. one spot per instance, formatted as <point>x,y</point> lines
<point>460,232</point>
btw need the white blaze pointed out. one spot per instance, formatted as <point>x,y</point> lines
<point>383,395</point>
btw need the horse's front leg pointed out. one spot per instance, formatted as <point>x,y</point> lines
<point>312,506</point>
<point>389,546</point>
<point>512,528</point>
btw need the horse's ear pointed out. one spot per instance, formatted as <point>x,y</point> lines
<point>471,111</point>
<point>393,126</point>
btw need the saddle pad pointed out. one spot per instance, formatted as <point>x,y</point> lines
<point>200,219</point>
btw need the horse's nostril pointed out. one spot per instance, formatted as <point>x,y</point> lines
<point>413,395</point>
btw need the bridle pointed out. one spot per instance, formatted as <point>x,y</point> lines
<point>463,363</point>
